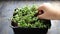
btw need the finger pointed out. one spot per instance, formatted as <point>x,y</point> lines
<point>41,16</point>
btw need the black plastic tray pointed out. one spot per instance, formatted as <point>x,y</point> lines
<point>19,30</point>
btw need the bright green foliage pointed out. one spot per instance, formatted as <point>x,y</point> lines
<point>26,19</point>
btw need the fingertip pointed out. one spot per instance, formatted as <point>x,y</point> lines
<point>40,17</point>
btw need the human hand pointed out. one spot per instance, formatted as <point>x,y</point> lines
<point>49,12</point>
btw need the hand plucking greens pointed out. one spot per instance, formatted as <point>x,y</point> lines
<point>25,17</point>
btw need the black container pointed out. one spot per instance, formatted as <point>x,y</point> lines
<point>19,30</point>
